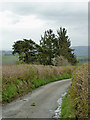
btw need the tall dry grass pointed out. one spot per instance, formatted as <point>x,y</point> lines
<point>20,79</point>
<point>25,72</point>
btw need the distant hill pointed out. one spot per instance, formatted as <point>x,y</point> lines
<point>81,50</point>
<point>6,53</point>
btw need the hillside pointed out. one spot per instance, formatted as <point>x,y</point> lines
<point>81,50</point>
<point>6,52</point>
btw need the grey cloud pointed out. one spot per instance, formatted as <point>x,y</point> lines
<point>72,16</point>
<point>48,11</point>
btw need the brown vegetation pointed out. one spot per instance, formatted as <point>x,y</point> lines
<point>79,91</point>
<point>20,79</point>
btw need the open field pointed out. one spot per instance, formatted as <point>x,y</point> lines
<point>83,59</point>
<point>9,59</point>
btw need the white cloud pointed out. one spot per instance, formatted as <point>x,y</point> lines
<point>45,0</point>
<point>10,20</point>
<point>29,22</point>
<point>5,20</point>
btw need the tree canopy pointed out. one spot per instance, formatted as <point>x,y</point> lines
<point>63,46</point>
<point>50,47</point>
<point>47,44</point>
<point>27,50</point>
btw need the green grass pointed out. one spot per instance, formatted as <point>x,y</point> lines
<point>75,103</point>
<point>39,82</point>
<point>83,57</point>
<point>18,80</point>
<point>67,110</point>
<point>19,87</point>
<point>9,59</point>
<point>10,92</point>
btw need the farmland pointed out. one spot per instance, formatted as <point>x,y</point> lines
<point>10,59</point>
<point>83,59</point>
<point>82,55</point>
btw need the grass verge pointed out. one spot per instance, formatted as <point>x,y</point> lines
<point>75,104</point>
<point>18,80</point>
<point>67,110</point>
<point>19,87</point>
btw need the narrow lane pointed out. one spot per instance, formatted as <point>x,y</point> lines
<point>41,103</point>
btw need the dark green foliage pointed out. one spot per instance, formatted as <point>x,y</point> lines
<point>47,43</point>
<point>63,46</point>
<point>50,47</point>
<point>27,50</point>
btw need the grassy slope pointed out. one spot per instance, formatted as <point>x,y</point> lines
<point>20,79</point>
<point>67,110</point>
<point>10,59</point>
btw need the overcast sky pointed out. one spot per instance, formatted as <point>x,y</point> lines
<point>29,20</point>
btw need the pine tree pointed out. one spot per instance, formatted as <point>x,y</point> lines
<point>47,44</point>
<point>50,47</point>
<point>63,46</point>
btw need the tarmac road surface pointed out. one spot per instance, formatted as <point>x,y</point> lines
<point>41,103</point>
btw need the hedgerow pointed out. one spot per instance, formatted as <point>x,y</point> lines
<point>78,92</point>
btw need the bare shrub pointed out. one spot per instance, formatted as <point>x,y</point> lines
<point>60,61</point>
